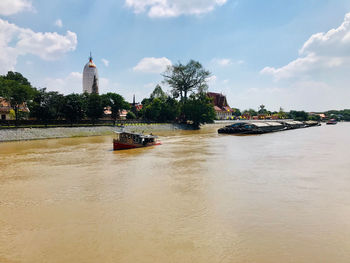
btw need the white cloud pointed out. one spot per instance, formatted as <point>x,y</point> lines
<point>10,7</point>
<point>223,62</point>
<point>173,8</point>
<point>59,23</point>
<point>211,79</point>
<point>105,62</point>
<point>152,65</point>
<point>70,84</point>
<point>320,53</point>
<point>73,84</point>
<point>16,41</point>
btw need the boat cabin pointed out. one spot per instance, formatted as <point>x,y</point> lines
<point>134,138</point>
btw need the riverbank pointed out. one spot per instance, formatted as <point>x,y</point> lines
<point>22,134</point>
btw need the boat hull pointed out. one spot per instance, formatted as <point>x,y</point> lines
<point>124,146</point>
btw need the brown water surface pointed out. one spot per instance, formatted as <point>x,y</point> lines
<point>200,197</point>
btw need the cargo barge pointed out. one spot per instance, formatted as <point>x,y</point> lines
<point>265,127</point>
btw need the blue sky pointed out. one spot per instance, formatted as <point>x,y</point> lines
<point>290,54</point>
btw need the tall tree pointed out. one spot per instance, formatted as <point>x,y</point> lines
<point>73,108</point>
<point>95,86</point>
<point>94,107</point>
<point>18,77</point>
<point>17,90</point>
<point>262,109</point>
<point>46,106</point>
<point>158,93</point>
<point>184,79</point>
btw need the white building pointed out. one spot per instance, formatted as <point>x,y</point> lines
<point>90,77</point>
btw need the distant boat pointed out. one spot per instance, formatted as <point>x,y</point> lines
<point>252,127</point>
<point>265,127</point>
<point>331,122</point>
<point>129,140</point>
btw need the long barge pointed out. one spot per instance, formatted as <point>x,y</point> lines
<point>265,127</point>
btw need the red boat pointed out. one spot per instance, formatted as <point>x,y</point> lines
<point>331,122</point>
<point>128,140</point>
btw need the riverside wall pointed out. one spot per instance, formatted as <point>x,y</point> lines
<point>20,134</point>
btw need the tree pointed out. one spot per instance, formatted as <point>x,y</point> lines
<point>281,114</point>
<point>95,86</point>
<point>158,93</point>
<point>160,107</point>
<point>262,109</point>
<point>236,112</point>
<point>94,107</point>
<point>250,112</point>
<point>199,109</point>
<point>298,115</point>
<point>184,79</point>
<point>46,106</point>
<point>73,108</point>
<point>314,118</point>
<point>130,115</point>
<point>116,102</point>
<point>18,77</point>
<point>152,111</point>
<point>17,90</point>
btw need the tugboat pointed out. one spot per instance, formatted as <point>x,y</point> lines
<point>129,140</point>
<point>331,122</point>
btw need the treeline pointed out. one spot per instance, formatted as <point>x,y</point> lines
<point>340,115</point>
<point>295,115</point>
<point>48,106</point>
<point>187,101</point>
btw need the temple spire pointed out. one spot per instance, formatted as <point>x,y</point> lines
<point>90,58</point>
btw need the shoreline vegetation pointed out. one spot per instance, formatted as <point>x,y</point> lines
<point>186,103</point>
<point>25,134</point>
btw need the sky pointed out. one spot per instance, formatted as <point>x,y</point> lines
<point>289,54</point>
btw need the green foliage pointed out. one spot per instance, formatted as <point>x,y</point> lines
<point>158,93</point>
<point>130,116</point>
<point>160,107</point>
<point>314,118</point>
<point>236,112</point>
<point>116,102</point>
<point>94,106</point>
<point>17,77</point>
<point>281,114</point>
<point>198,109</point>
<point>46,106</point>
<point>262,109</point>
<point>184,79</point>
<point>17,90</point>
<point>73,109</point>
<point>250,112</point>
<point>298,115</point>
<point>340,115</point>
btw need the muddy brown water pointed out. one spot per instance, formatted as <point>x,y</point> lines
<point>199,197</point>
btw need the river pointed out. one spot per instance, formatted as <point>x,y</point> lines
<point>199,197</point>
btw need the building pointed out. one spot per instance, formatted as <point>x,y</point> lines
<point>222,109</point>
<point>4,109</point>
<point>90,77</point>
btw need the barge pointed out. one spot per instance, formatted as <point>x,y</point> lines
<point>265,127</point>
